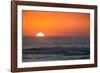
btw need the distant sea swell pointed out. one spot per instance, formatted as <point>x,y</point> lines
<point>37,42</point>
<point>55,48</point>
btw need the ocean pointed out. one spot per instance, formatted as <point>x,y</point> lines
<point>36,49</point>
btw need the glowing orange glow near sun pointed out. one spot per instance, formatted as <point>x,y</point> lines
<point>55,23</point>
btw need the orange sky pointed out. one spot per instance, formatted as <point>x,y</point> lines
<point>55,23</point>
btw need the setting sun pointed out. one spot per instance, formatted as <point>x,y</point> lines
<point>40,34</point>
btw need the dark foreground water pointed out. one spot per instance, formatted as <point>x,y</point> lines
<point>55,48</point>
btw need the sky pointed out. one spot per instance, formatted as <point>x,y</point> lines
<point>55,23</point>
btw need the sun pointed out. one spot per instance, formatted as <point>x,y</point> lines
<point>40,34</point>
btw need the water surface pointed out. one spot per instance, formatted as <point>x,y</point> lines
<point>55,48</point>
